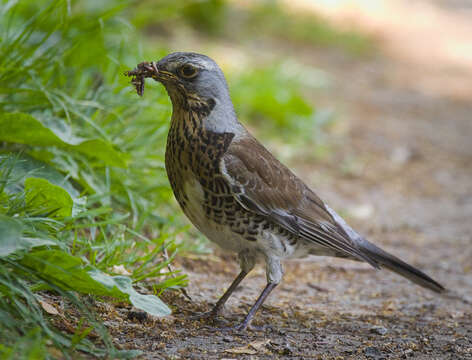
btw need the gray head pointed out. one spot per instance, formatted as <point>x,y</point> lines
<point>191,79</point>
<point>191,75</point>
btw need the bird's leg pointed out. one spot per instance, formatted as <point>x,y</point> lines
<point>274,273</point>
<point>247,320</point>
<point>274,276</point>
<point>220,303</point>
<point>247,262</point>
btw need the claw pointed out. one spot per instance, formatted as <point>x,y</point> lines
<point>239,328</point>
<point>206,315</point>
<point>212,316</point>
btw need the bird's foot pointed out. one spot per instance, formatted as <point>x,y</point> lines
<point>239,328</point>
<point>205,315</point>
<point>212,316</point>
<point>230,329</point>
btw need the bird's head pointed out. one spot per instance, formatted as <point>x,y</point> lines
<point>193,82</point>
<point>191,77</point>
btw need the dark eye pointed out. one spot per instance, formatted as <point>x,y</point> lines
<point>188,71</point>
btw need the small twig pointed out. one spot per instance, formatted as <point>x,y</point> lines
<point>318,288</point>
<point>169,267</point>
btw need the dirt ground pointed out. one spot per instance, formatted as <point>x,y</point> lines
<point>402,175</point>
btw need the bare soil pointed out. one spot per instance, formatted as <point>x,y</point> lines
<point>401,173</point>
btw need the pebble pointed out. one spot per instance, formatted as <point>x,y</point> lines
<point>407,353</point>
<point>380,330</point>
<point>139,316</point>
<point>373,352</point>
<point>228,339</point>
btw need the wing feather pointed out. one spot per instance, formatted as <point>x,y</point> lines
<point>263,185</point>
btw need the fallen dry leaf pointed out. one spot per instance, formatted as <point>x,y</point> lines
<point>50,309</point>
<point>259,345</point>
<point>242,350</point>
<point>250,349</point>
<point>120,269</point>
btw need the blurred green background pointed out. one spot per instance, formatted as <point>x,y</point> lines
<point>86,212</point>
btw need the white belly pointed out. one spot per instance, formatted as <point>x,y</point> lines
<point>219,234</point>
<point>267,243</point>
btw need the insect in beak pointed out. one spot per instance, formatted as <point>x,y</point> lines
<point>142,71</point>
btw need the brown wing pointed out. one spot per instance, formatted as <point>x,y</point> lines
<point>265,186</point>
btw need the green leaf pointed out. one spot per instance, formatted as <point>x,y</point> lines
<point>41,194</point>
<point>25,129</point>
<point>11,240</point>
<point>10,235</point>
<point>62,269</point>
<point>149,303</point>
<point>25,166</point>
<point>68,272</point>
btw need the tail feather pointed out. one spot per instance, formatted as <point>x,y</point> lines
<point>384,259</point>
<point>391,262</point>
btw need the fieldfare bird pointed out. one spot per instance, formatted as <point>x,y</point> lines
<point>237,193</point>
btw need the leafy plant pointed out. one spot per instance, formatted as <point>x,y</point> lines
<point>83,192</point>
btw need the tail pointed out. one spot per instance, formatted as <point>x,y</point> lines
<point>384,259</point>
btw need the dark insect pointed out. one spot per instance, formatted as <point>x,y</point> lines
<point>139,316</point>
<point>142,71</point>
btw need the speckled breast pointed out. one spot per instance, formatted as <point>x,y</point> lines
<point>192,163</point>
